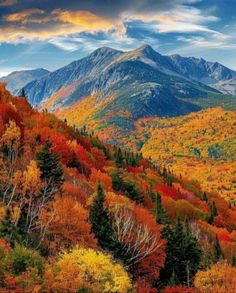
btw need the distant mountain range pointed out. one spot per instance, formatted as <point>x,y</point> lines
<point>141,82</point>
<point>18,79</point>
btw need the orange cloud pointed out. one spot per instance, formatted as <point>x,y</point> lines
<point>20,26</point>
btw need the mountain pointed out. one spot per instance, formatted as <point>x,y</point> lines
<point>226,86</point>
<point>18,79</point>
<point>116,88</point>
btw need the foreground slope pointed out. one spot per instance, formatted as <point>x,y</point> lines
<point>74,208</point>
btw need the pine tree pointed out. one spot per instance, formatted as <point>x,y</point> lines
<point>8,230</point>
<point>234,260</point>
<point>213,214</point>
<point>49,166</point>
<point>160,212</point>
<point>204,197</point>
<point>100,221</point>
<point>119,159</point>
<point>183,254</point>
<point>218,253</point>
<point>22,93</point>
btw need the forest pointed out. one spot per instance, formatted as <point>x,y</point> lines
<point>80,215</point>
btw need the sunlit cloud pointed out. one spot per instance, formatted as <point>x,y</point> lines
<point>33,24</point>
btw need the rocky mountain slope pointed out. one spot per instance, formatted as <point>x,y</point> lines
<point>18,79</point>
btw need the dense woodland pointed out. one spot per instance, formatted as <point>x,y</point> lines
<point>79,215</point>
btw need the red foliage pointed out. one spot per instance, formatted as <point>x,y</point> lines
<point>144,287</point>
<point>178,289</point>
<point>61,148</point>
<point>135,170</point>
<point>7,113</point>
<point>99,158</point>
<point>5,246</point>
<point>168,191</point>
<point>84,141</point>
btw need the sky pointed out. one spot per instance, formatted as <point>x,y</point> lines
<point>52,33</point>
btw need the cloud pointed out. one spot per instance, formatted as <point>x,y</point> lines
<point>62,26</point>
<point>5,3</point>
<point>38,24</point>
<point>183,19</point>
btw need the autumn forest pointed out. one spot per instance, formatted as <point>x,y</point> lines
<point>80,215</point>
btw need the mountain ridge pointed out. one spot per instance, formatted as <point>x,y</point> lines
<point>16,80</point>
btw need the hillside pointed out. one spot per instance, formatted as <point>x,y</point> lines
<point>201,146</point>
<point>73,208</point>
<point>199,143</point>
<point>18,79</point>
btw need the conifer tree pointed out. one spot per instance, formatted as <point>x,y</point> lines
<point>160,212</point>
<point>8,230</point>
<point>49,166</point>
<point>213,214</point>
<point>119,159</point>
<point>100,222</point>
<point>234,260</point>
<point>218,253</point>
<point>183,254</point>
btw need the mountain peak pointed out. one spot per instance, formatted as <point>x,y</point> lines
<point>104,51</point>
<point>146,48</point>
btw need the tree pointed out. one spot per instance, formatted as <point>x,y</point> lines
<point>119,159</point>
<point>161,216</point>
<point>138,238</point>
<point>8,230</point>
<point>22,93</point>
<point>213,214</point>
<point>86,270</point>
<point>68,225</point>
<point>217,253</point>
<point>183,254</point>
<point>48,163</point>
<point>100,222</point>
<point>221,277</point>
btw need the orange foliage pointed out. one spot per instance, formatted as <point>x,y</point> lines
<point>68,225</point>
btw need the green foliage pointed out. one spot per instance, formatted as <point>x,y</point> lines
<point>213,214</point>
<point>128,187</point>
<point>22,259</point>
<point>119,159</point>
<point>214,151</point>
<point>49,166</point>
<point>217,251</point>
<point>8,231</point>
<point>100,222</point>
<point>183,254</point>
<point>160,212</point>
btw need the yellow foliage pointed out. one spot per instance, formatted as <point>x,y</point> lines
<point>220,278</point>
<point>31,178</point>
<point>87,268</point>
<point>11,137</point>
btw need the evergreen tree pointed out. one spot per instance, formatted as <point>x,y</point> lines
<point>234,260</point>
<point>183,254</point>
<point>100,222</point>
<point>119,159</point>
<point>204,197</point>
<point>49,166</point>
<point>217,251</point>
<point>213,214</point>
<point>160,212</point>
<point>8,230</point>
<point>129,188</point>
<point>22,93</point>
